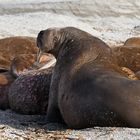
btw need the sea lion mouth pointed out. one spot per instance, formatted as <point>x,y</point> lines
<point>49,64</point>
<point>39,66</point>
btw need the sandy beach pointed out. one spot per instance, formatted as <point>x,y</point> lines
<point>111,20</point>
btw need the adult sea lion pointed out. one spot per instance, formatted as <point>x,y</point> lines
<point>88,88</point>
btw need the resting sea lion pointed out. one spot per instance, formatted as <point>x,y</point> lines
<point>26,62</point>
<point>128,55</point>
<point>29,92</point>
<point>88,88</point>
<point>28,84</point>
<point>133,41</point>
<point>12,47</point>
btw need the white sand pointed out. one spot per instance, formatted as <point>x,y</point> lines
<point>112,20</point>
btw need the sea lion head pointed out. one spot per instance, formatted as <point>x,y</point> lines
<point>61,41</point>
<point>47,41</point>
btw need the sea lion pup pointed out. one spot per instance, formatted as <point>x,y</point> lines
<point>25,85</point>
<point>128,55</point>
<point>12,47</point>
<point>88,88</point>
<point>28,94</point>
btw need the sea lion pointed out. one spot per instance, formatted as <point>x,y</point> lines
<point>12,47</point>
<point>28,83</point>
<point>128,55</point>
<point>28,94</point>
<point>133,41</point>
<point>88,88</point>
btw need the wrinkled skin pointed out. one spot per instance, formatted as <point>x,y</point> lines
<point>88,88</point>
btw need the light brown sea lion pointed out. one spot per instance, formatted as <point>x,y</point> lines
<point>10,48</point>
<point>128,55</point>
<point>14,46</point>
<point>26,62</point>
<point>88,88</point>
<point>133,41</point>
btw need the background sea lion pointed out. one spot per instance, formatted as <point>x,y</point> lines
<point>18,60</point>
<point>29,92</point>
<point>133,41</point>
<point>26,62</point>
<point>128,55</point>
<point>14,46</point>
<point>28,84</point>
<point>88,88</point>
<point>9,48</point>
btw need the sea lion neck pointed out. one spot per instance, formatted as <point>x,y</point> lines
<point>65,41</point>
<point>77,47</point>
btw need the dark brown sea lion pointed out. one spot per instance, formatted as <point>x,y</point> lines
<point>25,85</point>
<point>128,55</point>
<point>88,88</point>
<point>29,92</point>
<point>14,46</point>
